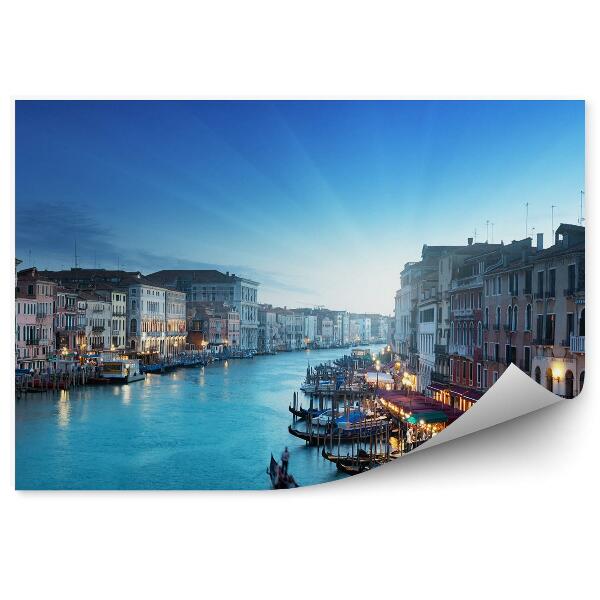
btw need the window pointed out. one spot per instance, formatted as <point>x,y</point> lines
<point>478,374</point>
<point>528,282</point>
<point>552,283</point>
<point>497,317</point>
<point>526,358</point>
<point>509,312</point>
<point>550,328</point>
<point>515,323</point>
<point>479,334</point>
<point>540,283</point>
<point>486,319</point>
<point>571,278</point>
<point>485,378</point>
<point>570,326</point>
<point>528,317</point>
<point>495,377</point>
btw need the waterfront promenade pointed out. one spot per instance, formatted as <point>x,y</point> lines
<point>199,428</point>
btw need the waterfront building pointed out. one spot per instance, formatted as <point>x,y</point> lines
<point>146,316</point>
<point>98,321</point>
<point>360,328</point>
<point>175,321</point>
<point>326,333</point>
<point>558,360</point>
<point>233,329</point>
<point>268,329</point>
<point>214,286</point>
<point>310,329</point>
<point>34,320</point>
<point>291,327</point>
<point>69,321</point>
<point>118,324</point>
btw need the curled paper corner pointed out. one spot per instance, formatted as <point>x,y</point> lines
<point>513,395</point>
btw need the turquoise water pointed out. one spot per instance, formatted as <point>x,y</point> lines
<point>200,428</point>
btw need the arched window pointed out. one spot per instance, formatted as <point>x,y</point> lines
<point>515,323</point>
<point>528,318</point>
<point>134,305</point>
<point>538,375</point>
<point>133,326</point>
<point>569,384</point>
<point>497,316</point>
<point>509,312</point>
<point>471,337</point>
<point>581,379</point>
<point>549,380</point>
<point>479,334</point>
<point>582,322</point>
<point>487,317</point>
<point>452,338</point>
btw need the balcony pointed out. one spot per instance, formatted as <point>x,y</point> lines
<point>550,294</point>
<point>539,295</point>
<point>440,349</point>
<point>496,327</point>
<point>527,291</point>
<point>32,342</point>
<point>577,344</point>
<point>97,328</point>
<point>543,341</point>
<point>569,292</point>
<point>467,282</point>
<point>507,328</point>
<point>461,350</point>
<point>439,377</point>
<point>42,315</point>
<point>462,312</point>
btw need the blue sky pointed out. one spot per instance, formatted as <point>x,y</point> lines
<point>322,202</point>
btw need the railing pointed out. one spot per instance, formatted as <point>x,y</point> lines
<point>439,377</point>
<point>463,312</point>
<point>32,342</point>
<point>527,291</point>
<point>507,328</point>
<point>550,294</point>
<point>577,343</point>
<point>461,350</point>
<point>466,282</point>
<point>543,341</point>
<point>569,292</point>
<point>42,315</point>
<point>496,327</point>
<point>98,328</point>
<point>539,295</point>
<point>440,349</point>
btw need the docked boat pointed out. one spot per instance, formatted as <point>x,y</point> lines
<point>125,370</point>
<point>280,480</point>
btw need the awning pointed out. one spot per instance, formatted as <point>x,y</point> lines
<point>468,393</point>
<point>437,387</point>
<point>430,416</point>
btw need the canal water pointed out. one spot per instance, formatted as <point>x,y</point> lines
<point>200,428</point>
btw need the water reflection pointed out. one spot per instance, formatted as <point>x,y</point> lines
<point>64,409</point>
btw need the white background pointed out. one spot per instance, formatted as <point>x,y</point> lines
<point>508,512</point>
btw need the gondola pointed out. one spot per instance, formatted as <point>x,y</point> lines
<point>280,483</point>
<point>344,435</point>
<point>304,413</point>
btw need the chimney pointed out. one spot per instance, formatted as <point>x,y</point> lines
<point>540,241</point>
<point>227,273</point>
<point>470,241</point>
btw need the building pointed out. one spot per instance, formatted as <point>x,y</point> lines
<point>146,314</point>
<point>35,298</point>
<point>98,321</point>
<point>268,329</point>
<point>558,360</point>
<point>176,323</point>
<point>214,286</point>
<point>507,312</point>
<point>69,321</point>
<point>310,329</point>
<point>118,326</point>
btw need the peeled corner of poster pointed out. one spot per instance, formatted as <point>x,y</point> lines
<point>513,395</point>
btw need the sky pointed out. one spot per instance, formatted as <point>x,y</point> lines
<point>322,202</point>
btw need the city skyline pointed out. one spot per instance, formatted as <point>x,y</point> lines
<point>303,197</point>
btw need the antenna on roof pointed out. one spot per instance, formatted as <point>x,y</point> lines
<point>552,209</point>
<point>487,231</point>
<point>475,235</point>
<point>492,232</point>
<point>526,217</point>
<point>75,252</point>
<point>581,217</point>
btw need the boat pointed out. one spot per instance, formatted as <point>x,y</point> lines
<point>321,435</point>
<point>305,413</point>
<point>124,370</point>
<point>278,480</point>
